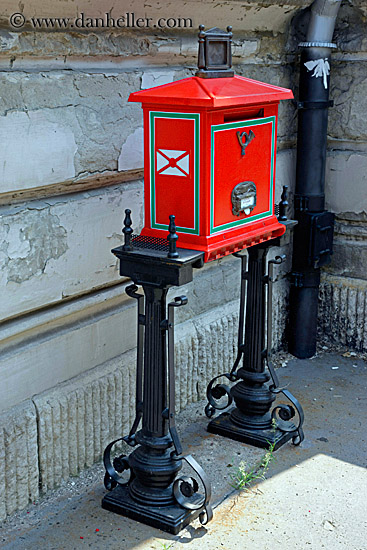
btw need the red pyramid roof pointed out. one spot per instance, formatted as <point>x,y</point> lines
<point>213,92</point>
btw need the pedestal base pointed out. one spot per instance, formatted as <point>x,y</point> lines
<point>167,518</point>
<point>258,438</point>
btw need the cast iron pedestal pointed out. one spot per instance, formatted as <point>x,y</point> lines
<point>154,495</point>
<point>251,420</point>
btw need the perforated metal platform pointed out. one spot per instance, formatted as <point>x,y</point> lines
<point>151,243</point>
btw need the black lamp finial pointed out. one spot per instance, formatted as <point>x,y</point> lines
<point>215,53</point>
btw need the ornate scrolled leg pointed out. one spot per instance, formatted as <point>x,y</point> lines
<point>116,467</point>
<point>186,487</point>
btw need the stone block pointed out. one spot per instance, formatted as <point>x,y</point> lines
<point>131,155</point>
<point>18,458</point>
<point>34,150</point>
<point>349,257</point>
<point>79,418</point>
<point>205,347</point>
<point>53,346</point>
<point>346,182</point>
<point>342,307</point>
<point>263,15</point>
<point>348,117</point>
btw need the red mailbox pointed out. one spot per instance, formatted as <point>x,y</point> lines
<point>210,150</point>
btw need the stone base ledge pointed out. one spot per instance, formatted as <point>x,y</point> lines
<point>342,311</point>
<point>18,458</point>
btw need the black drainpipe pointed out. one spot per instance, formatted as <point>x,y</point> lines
<point>313,235</point>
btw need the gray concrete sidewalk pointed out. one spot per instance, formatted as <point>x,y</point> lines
<point>315,495</point>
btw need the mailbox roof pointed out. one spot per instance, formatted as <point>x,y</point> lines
<point>212,92</point>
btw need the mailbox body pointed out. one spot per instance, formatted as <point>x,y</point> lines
<point>209,159</point>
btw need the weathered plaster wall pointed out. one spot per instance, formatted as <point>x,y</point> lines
<point>58,248</point>
<point>70,141</point>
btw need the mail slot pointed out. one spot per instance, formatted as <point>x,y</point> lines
<point>209,159</point>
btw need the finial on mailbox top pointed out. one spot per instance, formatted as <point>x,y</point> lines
<point>215,53</point>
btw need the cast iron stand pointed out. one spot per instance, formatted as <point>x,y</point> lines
<point>251,420</point>
<point>154,495</point>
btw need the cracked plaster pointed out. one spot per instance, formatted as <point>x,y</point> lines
<point>30,241</point>
<point>150,79</point>
<point>61,248</point>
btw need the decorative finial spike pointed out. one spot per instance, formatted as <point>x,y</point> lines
<point>172,238</point>
<point>229,30</point>
<point>127,231</point>
<point>201,53</point>
<point>283,205</point>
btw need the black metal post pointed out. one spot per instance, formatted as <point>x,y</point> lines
<point>252,396</point>
<point>154,495</point>
<point>252,420</point>
<point>151,462</point>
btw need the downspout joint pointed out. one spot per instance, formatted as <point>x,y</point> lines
<point>329,45</point>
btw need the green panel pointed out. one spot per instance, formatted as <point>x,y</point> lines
<point>190,116</point>
<point>228,126</point>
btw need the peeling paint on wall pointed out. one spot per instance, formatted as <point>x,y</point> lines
<point>33,240</point>
<point>61,247</point>
<point>320,68</point>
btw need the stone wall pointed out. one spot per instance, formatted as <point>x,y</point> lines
<point>342,300</point>
<point>71,162</point>
<point>343,292</point>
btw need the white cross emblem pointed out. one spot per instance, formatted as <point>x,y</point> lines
<point>173,163</point>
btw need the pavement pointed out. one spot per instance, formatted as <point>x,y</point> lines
<point>314,496</point>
